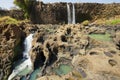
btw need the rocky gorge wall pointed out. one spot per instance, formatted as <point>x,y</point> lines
<point>10,47</point>
<point>17,14</point>
<point>55,13</point>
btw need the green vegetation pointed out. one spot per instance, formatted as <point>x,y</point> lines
<point>113,22</point>
<point>63,69</point>
<point>101,37</point>
<point>50,30</point>
<point>24,5</point>
<point>9,20</point>
<point>85,23</point>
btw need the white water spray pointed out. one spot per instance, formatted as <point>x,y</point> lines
<point>71,18</point>
<point>28,45</point>
<point>25,66</point>
<point>69,14</point>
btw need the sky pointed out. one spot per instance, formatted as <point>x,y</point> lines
<point>7,4</point>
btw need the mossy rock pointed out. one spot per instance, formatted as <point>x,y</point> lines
<point>85,23</point>
<point>63,69</point>
<point>101,37</point>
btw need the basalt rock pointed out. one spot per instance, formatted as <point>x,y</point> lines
<point>10,42</point>
<point>54,45</point>
<point>48,13</point>
<point>71,45</point>
<point>65,42</point>
<point>54,13</point>
<point>92,64</point>
<point>17,14</point>
<point>117,39</point>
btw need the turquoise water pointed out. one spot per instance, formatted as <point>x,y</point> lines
<point>33,76</point>
<point>101,37</point>
<point>25,71</point>
<point>63,69</point>
<point>23,78</point>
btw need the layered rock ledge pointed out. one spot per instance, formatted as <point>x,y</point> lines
<point>56,13</point>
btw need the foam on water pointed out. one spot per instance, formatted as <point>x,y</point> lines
<point>28,45</point>
<point>71,18</point>
<point>69,14</point>
<point>25,66</point>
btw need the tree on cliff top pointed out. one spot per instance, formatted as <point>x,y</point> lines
<point>24,5</point>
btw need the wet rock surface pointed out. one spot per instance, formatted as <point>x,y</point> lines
<point>65,52</point>
<point>90,58</point>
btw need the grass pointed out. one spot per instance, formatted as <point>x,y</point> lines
<point>9,20</point>
<point>101,37</point>
<point>85,23</point>
<point>113,22</point>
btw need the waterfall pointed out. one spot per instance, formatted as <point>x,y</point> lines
<point>73,17</point>
<point>69,14</point>
<point>25,66</point>
<point>28,45</point>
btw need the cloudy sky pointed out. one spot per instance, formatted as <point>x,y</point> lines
<point>9,3</point>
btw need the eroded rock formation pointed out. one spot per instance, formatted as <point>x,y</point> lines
<point>54,45</point>
<point>11,38</point>
<point>72,45</point>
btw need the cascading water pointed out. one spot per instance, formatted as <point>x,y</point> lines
<point>69,14</point>
<point>28,45</point>
<point>25,66</point>
<point>73,17</point>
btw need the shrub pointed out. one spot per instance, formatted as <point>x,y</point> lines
<point>8,20</point>
<point>24,5</point>
<point>85,23</point>
<point>113,22</point>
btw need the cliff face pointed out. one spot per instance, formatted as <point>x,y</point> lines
<point>10,47</point>
<point>49,13</point>
<point>17,14</point>
<point>57,12</point>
